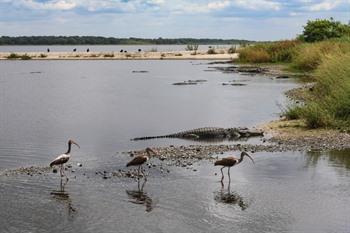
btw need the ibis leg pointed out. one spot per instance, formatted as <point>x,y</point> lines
<point>138,172</point>
<point>61,170</point>
<point>144,175</point>
<point>229,176</point>
<point>222,173</point>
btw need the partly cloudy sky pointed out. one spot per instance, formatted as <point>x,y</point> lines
<point>241,19</point>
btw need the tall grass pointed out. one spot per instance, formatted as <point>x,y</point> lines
<point>330,102</point>
<point>309,56</point>
<point>280,51</point>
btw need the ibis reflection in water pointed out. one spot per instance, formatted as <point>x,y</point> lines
<point>63,158</point>
<point>62,196</point>
<point>230,162</point>
<point>140,197</point>
<point>228,197</point>
<point>140,160</point>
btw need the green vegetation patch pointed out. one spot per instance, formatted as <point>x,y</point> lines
<point>329,105</point>
<point>16,56</point>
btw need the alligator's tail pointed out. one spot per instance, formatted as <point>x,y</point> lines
<point>151,137</point>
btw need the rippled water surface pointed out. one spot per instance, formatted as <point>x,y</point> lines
<point>282,192</point>
<point>102,104</point>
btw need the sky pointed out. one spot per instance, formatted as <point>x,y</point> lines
<point>227,19</point>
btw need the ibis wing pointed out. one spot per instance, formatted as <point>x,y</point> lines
<point>230,161</point>
<point>60,160</point>
<point>137,161</point>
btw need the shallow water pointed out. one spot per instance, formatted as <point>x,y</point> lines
<point>282,192</point>
<point>103,104</point>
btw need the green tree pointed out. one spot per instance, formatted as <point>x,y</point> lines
<point>322,29</point>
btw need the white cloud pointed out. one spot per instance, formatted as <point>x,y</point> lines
<point>325,5</point>
<point>258,4</point>
<point>218,5</point>
<point>50,5</point>
<point>90,5</point>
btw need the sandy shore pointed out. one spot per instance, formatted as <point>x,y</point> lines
<point>178,55</point>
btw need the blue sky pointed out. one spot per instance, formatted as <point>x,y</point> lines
<point>242,19</point>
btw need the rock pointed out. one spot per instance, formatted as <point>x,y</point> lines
<point>54,170</point>
<point>140,71</point>
<point>79,164</point>
<point>282,77</point>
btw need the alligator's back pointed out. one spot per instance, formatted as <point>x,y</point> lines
<point>199,133</point>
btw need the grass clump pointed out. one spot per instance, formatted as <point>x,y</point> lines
<point>293,112</point>
<point>254,54</point>
<point>108,55</point>
<point>330,103</point>
<point>13,56</point>
<point>280,51</point>
<point>43,55</point>
<point>309,56</point>
<point>25,57</point>
<point>232,49</point>
<point>211,51</point>
<point>16,56</point>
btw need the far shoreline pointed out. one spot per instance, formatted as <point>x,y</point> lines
<point>220,54</point>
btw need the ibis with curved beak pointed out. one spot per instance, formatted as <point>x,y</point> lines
<point>63,158</point>
<point>141,159</point>
<point>230,162</point>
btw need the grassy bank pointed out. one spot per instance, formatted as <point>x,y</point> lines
<point>327,63</point>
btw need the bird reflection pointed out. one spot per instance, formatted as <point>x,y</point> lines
<point>140,197</point>
<point>227,197</point>
<point>62,196</point>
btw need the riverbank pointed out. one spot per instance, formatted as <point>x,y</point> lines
<point>178,55</point>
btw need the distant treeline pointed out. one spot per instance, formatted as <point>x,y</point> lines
<point>98,40</point>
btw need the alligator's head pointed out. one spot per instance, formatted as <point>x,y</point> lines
<point>232,133</point>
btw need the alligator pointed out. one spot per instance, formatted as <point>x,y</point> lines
<point>210,133</point>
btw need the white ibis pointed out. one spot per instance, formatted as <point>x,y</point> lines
<point>63,158</point>
<point>141,159</point>
<point>230,162</point>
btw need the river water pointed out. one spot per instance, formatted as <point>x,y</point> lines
<point>102,104</point>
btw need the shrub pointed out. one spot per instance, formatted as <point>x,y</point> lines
<point>108,55</point>
<point>322,29</point>
<point>13,56</point>
<point>192,47</point>
<point>280,51</point>
<point>316,116</point>
<point>211,51</point>
<point>43,55</point>
<point>330,103</point>
<point>309,56</point>
<point>254,54</point>
<point>232,49</point>
<point>25,57</point>
<point>293,112</point>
